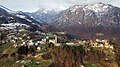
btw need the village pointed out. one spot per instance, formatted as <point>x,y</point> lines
<point>58,39</point>
<point>27,47</point>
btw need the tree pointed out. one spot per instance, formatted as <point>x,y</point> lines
<point>23,50</point>
<point>32,50</point>
<point>82,53</point>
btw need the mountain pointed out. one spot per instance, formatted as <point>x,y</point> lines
<point>89,21</point>
<point>44,15</point>
<point>11,19</point>
<point>6,9</point>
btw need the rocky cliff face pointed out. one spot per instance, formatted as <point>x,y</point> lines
<point>88,15</point>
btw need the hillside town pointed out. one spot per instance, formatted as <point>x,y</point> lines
<point>24,48</point>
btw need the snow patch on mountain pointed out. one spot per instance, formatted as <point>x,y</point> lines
<point>24,17</point>
<point>21,16</point>
<point>15,24</point>
<point>98,7</point>
<point>73,8</point>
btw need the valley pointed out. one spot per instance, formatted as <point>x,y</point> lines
<point>78,36</point>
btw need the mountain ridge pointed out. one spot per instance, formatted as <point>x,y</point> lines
<point>44,14</point>
<point>11,19</point>
<point>89,20</point>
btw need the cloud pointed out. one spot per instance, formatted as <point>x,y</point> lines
<point>32,5</point>
<point>83,2</point>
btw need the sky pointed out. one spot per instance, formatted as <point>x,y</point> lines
<point>33,5</point>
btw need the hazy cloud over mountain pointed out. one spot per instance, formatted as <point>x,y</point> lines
<point>32,5</point>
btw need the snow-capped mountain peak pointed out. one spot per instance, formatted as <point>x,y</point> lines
<point>48,10</point>
<point>73,8</point>
<point>89,15</point>
<point>45,14</point>
<point>87,20</point>
<point>98,7</point>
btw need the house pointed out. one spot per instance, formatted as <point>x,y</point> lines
<point>57,44</point>
<point>15,45</point>
<point>71,43</point>
<point>38,48</point>
<point>55,41</point>
<point>30,43</point>
<point>100,45</point>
